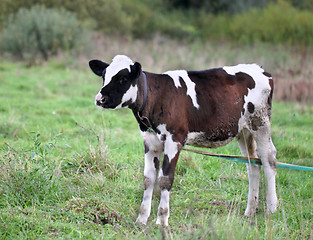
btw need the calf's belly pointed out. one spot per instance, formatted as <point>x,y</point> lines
<point>202,139</point>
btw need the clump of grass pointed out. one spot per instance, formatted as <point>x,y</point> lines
<point>96,158</point>
<point>94,210</point>
<point>27,180</point>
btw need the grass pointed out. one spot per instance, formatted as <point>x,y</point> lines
<point>71,171</point>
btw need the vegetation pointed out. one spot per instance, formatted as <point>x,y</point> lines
<point>41,31</point>
<point>276,22</point>
<point>70,171</point>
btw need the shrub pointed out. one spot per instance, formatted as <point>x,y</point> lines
<point>40,31</point>
<point>278,23</point>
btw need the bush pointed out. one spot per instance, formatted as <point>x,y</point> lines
<point>278,23</point>
<point>40,31</point>
<point>127,17</point>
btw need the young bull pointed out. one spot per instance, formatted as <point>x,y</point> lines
<point>201,108</point>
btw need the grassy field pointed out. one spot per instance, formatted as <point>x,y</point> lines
<point>71,171</point>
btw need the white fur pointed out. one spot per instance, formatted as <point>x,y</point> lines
<point>191,86</point>
<point>266,150</point>
<point>262,87</point>
<point>267,153</point>
<point>170,147</point>
<point>155,149</point>
<point>131,94</point>
<point>253,174</point>
<point>98,97</point>
<point>119,62</point>
<point>259,94</point>
<point>164,204</point>
<point>154,143</point>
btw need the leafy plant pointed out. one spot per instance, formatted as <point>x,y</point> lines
<point>28,177</point>
<point>40,31</point>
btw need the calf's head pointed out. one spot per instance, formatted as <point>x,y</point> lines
<point>119,82</point>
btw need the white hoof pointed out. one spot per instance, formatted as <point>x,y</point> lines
<point>162,221</point>
<point>250,212</point>
<point>142,220</point>
<point>272,204</point>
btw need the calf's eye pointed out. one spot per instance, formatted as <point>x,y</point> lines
<point>123,80</point>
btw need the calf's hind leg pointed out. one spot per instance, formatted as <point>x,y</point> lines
<point>267,153</point>
<point>247,147</point>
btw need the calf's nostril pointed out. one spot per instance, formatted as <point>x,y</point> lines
<point>105,99</point>
<point>100,100</point>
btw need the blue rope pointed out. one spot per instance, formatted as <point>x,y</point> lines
<point>255,161</point>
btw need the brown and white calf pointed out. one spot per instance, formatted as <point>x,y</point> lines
<point>201,108</point>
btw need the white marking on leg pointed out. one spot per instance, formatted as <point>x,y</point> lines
<point>272,201</point>
<point>153,141</point>
<point>254,182</point>
<point>244,143</point>
<point>164,208</point>
<point>170,147</point>
<point>267,155</point>
<point>150,177</point>
<point>155,148</point>
<point>273,148</point>
<point>191,86</point>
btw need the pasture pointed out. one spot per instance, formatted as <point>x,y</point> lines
<point>71,171</point>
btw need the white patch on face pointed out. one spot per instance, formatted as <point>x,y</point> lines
<point>98,97</point>
<point>131,94</point>
<point>191,86</point>
<point>170,147</point>
<point>119,62</point>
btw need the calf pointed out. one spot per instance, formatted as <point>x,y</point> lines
<point>200,108</point>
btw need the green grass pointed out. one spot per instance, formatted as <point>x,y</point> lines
<point>71,171</point>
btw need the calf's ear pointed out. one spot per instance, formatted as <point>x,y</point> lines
<point>136,70</point>
<point>98,66</point>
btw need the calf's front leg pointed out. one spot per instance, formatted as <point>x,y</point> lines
<point>166,178</point>
<point>153,150</point>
